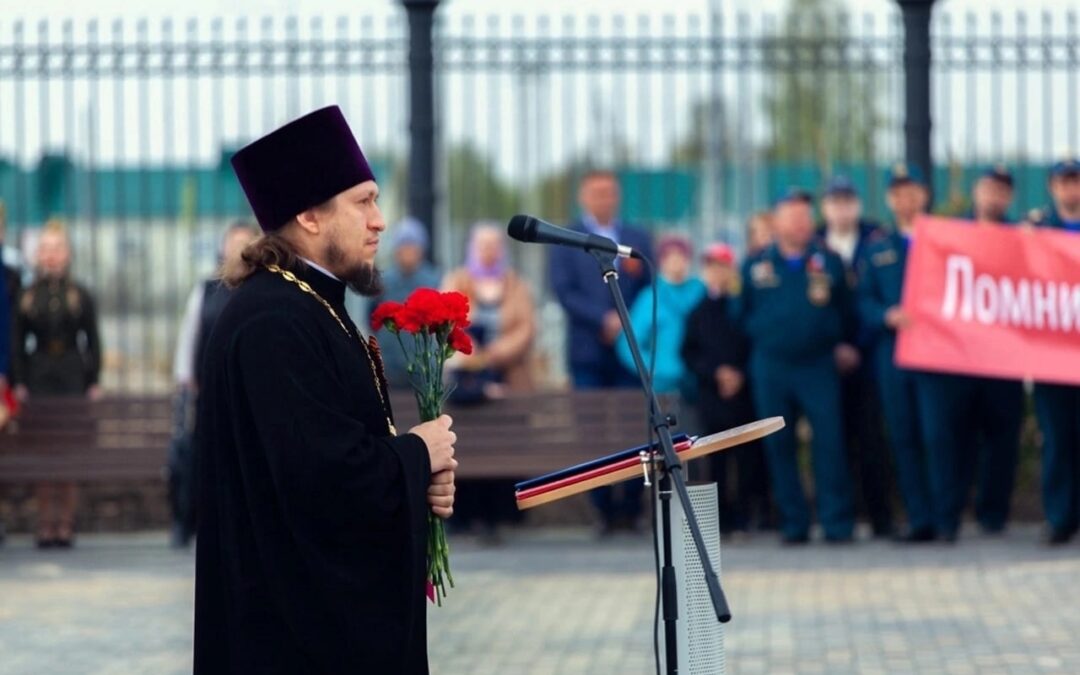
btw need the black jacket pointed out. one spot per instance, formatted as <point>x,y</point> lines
<point>312,532</point>
<point>713,339</point>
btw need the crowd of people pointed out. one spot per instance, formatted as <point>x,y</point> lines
<point>803,327</point>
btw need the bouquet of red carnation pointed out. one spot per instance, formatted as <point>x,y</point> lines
<point>436,323</point>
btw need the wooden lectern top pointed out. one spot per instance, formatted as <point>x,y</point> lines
<point>632,468</point>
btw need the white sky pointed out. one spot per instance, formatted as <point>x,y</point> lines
<point>58,9</point>
<point>498,112</point>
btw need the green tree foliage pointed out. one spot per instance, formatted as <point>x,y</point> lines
<point>707,126</point>
<point>821,102</point>
<point>476,191</point>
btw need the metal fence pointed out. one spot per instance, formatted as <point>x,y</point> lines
<point>125,129</point>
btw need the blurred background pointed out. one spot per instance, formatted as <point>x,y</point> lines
<point>123,125</point>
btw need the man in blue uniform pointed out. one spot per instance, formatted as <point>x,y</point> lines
<point>592,323</point>
<point>796,308</point>
<point>1058,406</point>
<point>847,234</point>
<point>881,284</point>
<point>972,424</point>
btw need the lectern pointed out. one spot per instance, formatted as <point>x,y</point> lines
<point>692,630</point>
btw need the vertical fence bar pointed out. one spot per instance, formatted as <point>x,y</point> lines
<point>917,60</point>
<point>422,196</point>
<point>1072,60</point>
<point>119,216</point>
<point>179,247</point>
<point>21,210</point>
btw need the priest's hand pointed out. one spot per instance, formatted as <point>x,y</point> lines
<point>440,494</point>
<point>439,440</point>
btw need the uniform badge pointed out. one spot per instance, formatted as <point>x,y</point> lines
<point>762,274</point>
<point>883,258</point>
<point>819,283</point>
<point>819,290</point>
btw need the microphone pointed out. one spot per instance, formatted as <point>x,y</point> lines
<point>533,230</point>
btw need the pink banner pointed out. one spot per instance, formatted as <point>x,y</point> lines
<point>992,300</point>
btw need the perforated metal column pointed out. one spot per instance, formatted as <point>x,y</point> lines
<point>701,636</point>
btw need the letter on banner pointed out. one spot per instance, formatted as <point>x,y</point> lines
<point>958,274</point>
<point>999,302</point>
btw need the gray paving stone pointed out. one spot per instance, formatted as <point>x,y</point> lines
<point>555,601</point>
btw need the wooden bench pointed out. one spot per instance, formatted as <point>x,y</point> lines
<point>126,439</point>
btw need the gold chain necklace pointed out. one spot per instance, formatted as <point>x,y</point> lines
<point>306,288</point>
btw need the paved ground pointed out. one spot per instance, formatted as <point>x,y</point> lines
<point>557,602</point>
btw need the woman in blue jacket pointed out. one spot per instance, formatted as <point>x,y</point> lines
<point>678,294</point>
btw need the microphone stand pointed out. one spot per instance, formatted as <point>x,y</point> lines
<point>671,476</point>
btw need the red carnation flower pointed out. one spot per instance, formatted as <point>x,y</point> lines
<point>456,308</point>
<point>460,341</point>
<point>434,309</point>
<point>386,315</point>
<point>409,320</point>
<point>426,305</point>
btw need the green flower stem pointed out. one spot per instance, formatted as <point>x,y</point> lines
<point>431,351</point>
<point>428,362</point>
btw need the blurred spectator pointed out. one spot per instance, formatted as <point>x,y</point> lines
<point>1058,406</point>
<point>678,294</point>
<point>9,294</point>
<point>592,323</point>
<point>716,353</point>
<point>989,412</point>
<point>881,282</point>
<point>410,270</point>
<point>12,278</point>
<point>11,259</point>
<point>796,309</point>
<point>759,232</point>
<point>58,353</point>
<point>992,195</point>
<point>502,314</point>
<point>972,424</point>
<point>847,234</point>
<point>204,305</point>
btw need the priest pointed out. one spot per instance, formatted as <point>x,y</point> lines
<point>312,535</point>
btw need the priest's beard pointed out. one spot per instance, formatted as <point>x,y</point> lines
<point>362,278</point>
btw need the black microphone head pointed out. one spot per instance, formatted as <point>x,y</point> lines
<point>522,228</point>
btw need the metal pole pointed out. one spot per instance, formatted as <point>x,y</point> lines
<point>917,62</point>
<point>421,189</point>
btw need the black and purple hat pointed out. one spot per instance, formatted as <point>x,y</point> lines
<point>300,165</point>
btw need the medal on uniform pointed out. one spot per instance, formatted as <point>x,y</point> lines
<point>818,290</point>
<point>883,258</point>
<point>763,274</point>
<point>818,286</point>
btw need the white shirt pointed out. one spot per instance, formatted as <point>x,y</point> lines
<point>184,361</point>
<point>320,268</point>
<point>843,244</point>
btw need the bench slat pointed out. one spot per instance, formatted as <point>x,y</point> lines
<point>127,438</point>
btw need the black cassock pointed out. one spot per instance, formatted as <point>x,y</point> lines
<point>312,534</point>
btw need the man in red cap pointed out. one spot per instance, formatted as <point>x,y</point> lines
<point>312,534</point>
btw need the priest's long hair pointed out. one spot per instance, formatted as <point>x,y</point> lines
<point>269,249</point>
